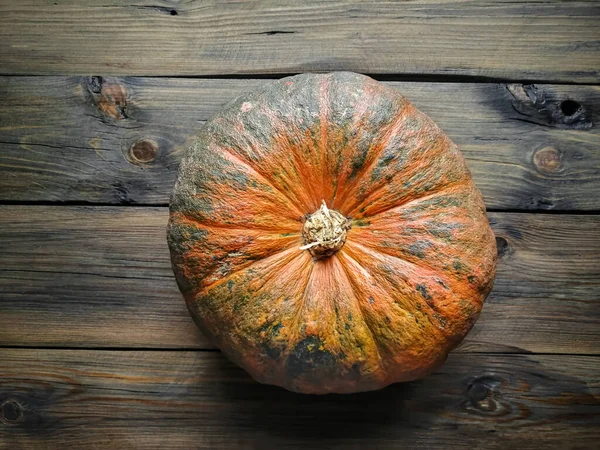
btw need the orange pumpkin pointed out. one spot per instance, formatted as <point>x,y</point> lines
<point>328,237</point>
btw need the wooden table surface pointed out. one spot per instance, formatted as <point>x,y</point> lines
<point>98,102</point>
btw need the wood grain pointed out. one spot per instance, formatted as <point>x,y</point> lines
<point>120,140</point>
<point>124,399</point>
<point>523,40</point>
<point>101,277</point>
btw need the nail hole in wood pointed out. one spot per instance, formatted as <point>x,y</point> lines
<point>569,107</point>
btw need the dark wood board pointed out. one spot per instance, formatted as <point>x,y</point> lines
<point>152,399</point>
<point>120,140</point>
<point>517,40</point>
<point>101,277</point>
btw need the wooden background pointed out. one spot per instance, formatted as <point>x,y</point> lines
<point>98,101</point>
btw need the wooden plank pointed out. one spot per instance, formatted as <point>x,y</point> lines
<point>542,40</point>
<point>90,277</point>
<point>74,139</point>
<point>112,399</point>
<point>101,277</point>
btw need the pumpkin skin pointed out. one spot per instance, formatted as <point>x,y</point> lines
<point>419,256</point>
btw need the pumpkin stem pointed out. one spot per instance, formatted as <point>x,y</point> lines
<point>324,232</point>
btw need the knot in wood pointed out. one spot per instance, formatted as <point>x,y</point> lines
<point>481,396</point>
<point>109,96</point>
<point>324,232</point>
<point>548,160</point>
<point>501,246</point>
<point>143,151</point>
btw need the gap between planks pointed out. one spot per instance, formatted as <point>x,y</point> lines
<point>191,349</point>
<point>383,77</point>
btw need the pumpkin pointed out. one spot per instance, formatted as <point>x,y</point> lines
<point>328,237</point>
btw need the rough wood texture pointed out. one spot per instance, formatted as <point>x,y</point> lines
<point>542,40</point>
<point>119,399</point>
<point>101,276</point>
<point>120,140</point>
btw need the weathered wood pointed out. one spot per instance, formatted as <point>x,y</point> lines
<point>542,40</point>
<point>90,277</point>
<point>116,399</point>
<point>119,140</point>
<point>101,276</point>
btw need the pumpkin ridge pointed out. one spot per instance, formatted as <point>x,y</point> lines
<point>301,304</point>
<point>324,83</point>
<point>369,249</point>
<point>280,140</point>
<point>366,199</point>
<point>244,267</point>
<point>303,174</point>
<point>431,311</point>
<point>380,146</point>
<point>352,283</point>
<point>237,299</point>
<point>237,158</point>
<point>359,121</point>
<point>435,333</point>
<point>219,225</point>
<point>440,190</point>
<point>270,275</point>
